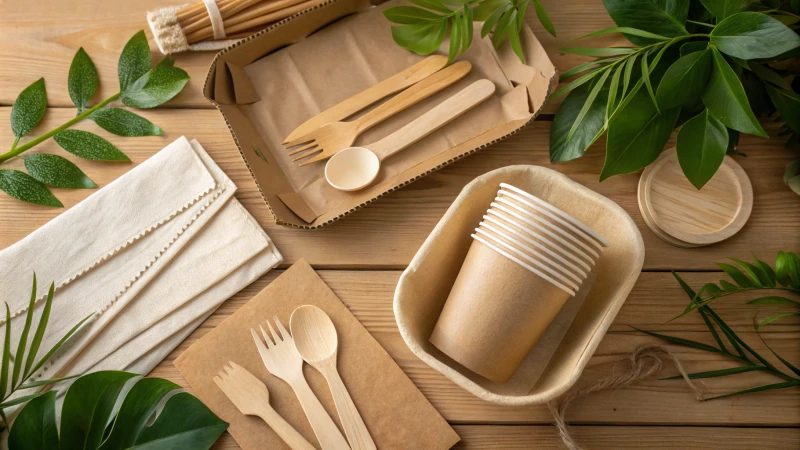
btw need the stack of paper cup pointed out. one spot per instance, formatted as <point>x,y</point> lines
<point>526,259</point>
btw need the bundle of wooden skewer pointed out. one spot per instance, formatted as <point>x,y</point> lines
<point>210,24</point>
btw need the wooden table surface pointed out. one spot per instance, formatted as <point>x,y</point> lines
<point>362,256</point>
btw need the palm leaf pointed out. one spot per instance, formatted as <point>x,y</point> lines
<point>717,373</point>
<point>646,77</point>
<point>785,362</point>
<point>589,100</point>
<point>768,387</point>
<point>20,400</point>
<point>59,344</point>
<point>771,319</point>
<point>773,300</point>
<point>39,335</point>
<point>596,51</point>
<point>23,339</point>
<point>6,356</point>
<point>681,341</point>
<point>625,30</point>
<point>34,384</point>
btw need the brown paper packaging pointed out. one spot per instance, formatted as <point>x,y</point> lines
<point>271,82</point>
<point>495,313</point>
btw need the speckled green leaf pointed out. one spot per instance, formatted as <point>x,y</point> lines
<point>157,86</point>
<point>24,187</point>
<point>134,61</point>
<point>124,123</point>
<point>54,170</point>
<point>89,146</point>
<point>29,108</point>
<point>82,81</point>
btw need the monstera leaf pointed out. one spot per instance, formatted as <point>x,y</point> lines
<point>100,413</point>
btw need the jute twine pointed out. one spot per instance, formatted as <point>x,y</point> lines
<point>644,363</point>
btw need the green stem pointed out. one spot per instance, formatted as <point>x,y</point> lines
<point>702,24</point>
<point>34,142</point>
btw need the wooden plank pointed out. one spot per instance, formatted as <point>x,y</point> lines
<point>42,43</point>
<point>388,233</point>
<point>656,299</point>
<point>544,437</point>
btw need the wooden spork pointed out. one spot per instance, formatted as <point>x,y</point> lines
<point>251,398</point>
<point>329,139</point>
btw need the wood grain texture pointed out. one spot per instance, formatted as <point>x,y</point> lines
<point>656,299</point>
<point>42,43</point>
<point>388,233</point>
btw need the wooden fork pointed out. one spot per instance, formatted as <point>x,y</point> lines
<point>251,397</point>
<point>282,360</point>
<point>328,140</point>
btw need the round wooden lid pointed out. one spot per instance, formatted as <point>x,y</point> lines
<point>671,205</point>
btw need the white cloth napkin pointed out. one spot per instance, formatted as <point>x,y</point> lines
<point>150,257</point>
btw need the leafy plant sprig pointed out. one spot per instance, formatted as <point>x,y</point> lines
<point>90,421</point>
<point>140,87</point>
<point>24,361</point>
<point>739,351</point>
<point>422,28</point>
<point>756,276</point>
<point>702,65</point>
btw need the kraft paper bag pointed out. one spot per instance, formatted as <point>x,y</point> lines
<point>147,258</point>
<point>395,412</point>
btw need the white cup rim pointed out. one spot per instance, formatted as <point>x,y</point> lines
<point>523,264</point>
<point>558,248</point>
<point>561,260</point>
<point>554,268</point>
<point>549,225</point>
<point>575,221</point>
<point>549,214</point>
<point>538,227</point>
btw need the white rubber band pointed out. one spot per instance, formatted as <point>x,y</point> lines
<point>216,19</point>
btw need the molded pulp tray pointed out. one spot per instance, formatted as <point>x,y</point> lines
<point>424,286</point>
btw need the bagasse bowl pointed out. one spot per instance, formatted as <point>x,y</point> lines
<point>424,286</point>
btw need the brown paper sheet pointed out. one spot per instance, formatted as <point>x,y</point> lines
<point>394,410</point>
<point>276,80</point>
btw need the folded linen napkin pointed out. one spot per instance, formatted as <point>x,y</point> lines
<point>149,256</point>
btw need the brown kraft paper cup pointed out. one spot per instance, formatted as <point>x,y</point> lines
<point>496,312</point>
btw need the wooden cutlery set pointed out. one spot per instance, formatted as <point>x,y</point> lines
<point>313,340</point>
<point>350,168</point>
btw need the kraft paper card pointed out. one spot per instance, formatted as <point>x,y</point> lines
<point>394,410</point>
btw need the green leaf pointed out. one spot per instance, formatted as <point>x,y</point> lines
<point>589,102</point>
<point>754,272</point>
<point>157,86</point>
<point>421,39</point>
<point>766,74</point>
<point>455,39</point>
<point>599,51</point>
<point>741,279</point>
<point>721,9</point>
<point>82,82</point>
<point>771,319</point>
<point>613,90</point>
<point>717,373</point>
<point>578,69</point>
<point>694,46</point>
<point>580,81</point>
<point>38,383</point>
<point>410,15</point>
<point>752,35</point>
<point>28,108</point>
<point>636,135</point>
<point>184,423</point>
<point>560,149</point>
<point>701,145</point>
<point>58,345</point>
<point>124,123</point>
<point>6,356</point>
<point>544,18</point>
<point>486,8</point>
<point>509,17</point>
<point>39,334</point>
<point>134,61</point>
<point>769,387</point>
<point>785,362</point>
<point>466,38</point>
<point>516,45</point>
<point>665,18</point>
<point>24,187</point>
<point>35,426</point>
<point>767,270</point>
<point>88,145</point>
<point>725,98</point>
<point>681,341</point>
<point>788,105</point>
<point>435,5</point>
<point>493,18</point>
<point>773,300</point>
<point>646,78</point>
<point>20,400</point>
<point>626,30</point>
<point>54,170</point>
<point>684,80</point>
<point>23,339</point>
<point>626,78</point>
<point>87,408</point>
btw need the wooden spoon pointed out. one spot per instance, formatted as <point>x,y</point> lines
<point>316,342</point>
